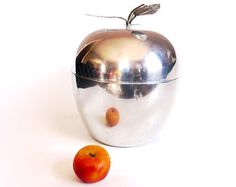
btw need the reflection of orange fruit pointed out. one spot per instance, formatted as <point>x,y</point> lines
<point>112,116</point>
<point>91,163</point>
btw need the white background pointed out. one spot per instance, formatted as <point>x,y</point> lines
<point>40,129</point>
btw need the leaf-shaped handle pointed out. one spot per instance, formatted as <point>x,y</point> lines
<point>138,11</point>
<point>147,9</point>
<point>142,10</point>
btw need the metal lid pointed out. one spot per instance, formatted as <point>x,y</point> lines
<point>126,57</point>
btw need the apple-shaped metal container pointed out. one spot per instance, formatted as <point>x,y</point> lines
<point>134,71</point>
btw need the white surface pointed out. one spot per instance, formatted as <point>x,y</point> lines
<point>40,130</point>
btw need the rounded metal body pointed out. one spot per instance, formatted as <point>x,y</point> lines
<point>134,71</point>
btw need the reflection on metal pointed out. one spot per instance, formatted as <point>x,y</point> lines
<point>125,63</point>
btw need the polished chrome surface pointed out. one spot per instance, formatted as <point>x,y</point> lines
<point>133,71</point>
<point>126,63</point>
<point>141,119</point>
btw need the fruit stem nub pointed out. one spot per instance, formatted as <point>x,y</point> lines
<point>92,154</point>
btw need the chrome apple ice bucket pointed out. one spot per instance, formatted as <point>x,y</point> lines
<point>134,71</point>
